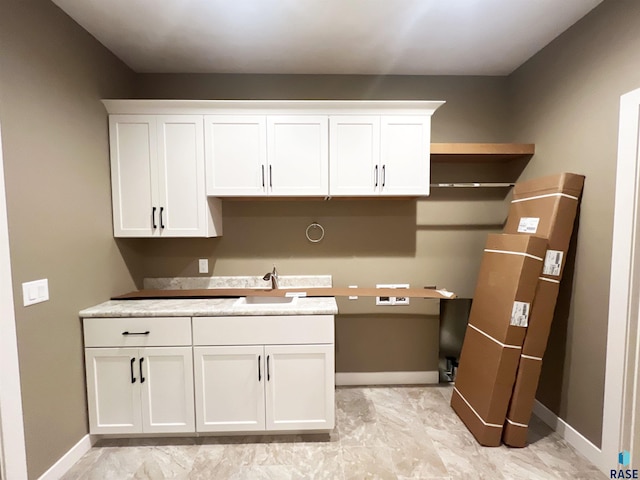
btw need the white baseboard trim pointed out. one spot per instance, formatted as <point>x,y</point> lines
<point>387,378</point>
<point>572,436</point>
<point>68,460</point>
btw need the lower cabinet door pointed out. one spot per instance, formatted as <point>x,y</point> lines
<point>229,386</point>
<point>113,390</point>
<point>166,387</point>
<point>300,392</point>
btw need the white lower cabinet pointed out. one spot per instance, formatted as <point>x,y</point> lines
<point>264,387</point>
<point>210,374</point>
<point>275,387</point>
<point>139,375</point>
<point>229,388</point>
<point>140,390</point>
<point>300,387</point>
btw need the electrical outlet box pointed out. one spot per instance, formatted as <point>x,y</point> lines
<point>353,297</point>
<point>397,300</point>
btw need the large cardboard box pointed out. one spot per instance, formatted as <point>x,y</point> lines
<point>529,368</point>
<point>523,397</point>
<point>511,265</point>
<point>506,285</point>
<point>545,207</point>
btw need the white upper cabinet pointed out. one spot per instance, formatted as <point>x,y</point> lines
<point>280,155</point>
<point>298,156</point>
<point>404,155</point>
<point>373,155</point>
<point>134,174</point>
<point>236,155</point>
<point>256,149</point>
<point>354,155</point>
<point>158,177</point>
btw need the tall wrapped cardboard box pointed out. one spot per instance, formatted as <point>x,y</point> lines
<point>511,265</point>
<point>544,207</point>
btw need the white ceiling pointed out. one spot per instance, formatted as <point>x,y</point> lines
<point>401,37</point>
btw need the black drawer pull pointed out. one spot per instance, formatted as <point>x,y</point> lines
<point>161,220</point>
<point>376,175</point>
<point>153,217</point>
<point>133,378</point>
<point>141,376</point>
<point>268,372</point>
<point>136,333</point>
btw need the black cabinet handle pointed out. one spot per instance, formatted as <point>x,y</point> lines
<point>153,217</point>
<point>262,176</point>
<point>376,174</point>
<point>268,370</point>
<point>136,333</point>
<point>270,182</point>
<point>141,376</point>
<point>161,220</point>
<point>133,378</point>
<point>259,372</point>
<point>384,180</point>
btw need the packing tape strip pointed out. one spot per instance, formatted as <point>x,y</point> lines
<point>522,254</point>
<point>552,280</point>
<point>529,357</point>
<point>544,196</point>
<point>495,425</point>
<point>523,425</point>
<point>493,339</point>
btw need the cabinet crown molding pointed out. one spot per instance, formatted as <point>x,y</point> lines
<point>328,107</point>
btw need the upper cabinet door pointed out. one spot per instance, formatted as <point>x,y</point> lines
<point>182,203</point>
<point>133,143</point>
<point>236,155</point>
<point>298,155</point>
<point>404,163</point>
<point>354,155</point>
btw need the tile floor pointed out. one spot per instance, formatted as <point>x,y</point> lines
<point>381,433</point>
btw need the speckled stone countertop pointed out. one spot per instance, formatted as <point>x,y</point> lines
<point>217,307</point>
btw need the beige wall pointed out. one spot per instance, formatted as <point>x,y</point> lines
<point>54,128</point>
<point>566,100</point>
<point>52,75</point>
<point>476,108</point>
<point>429,242</point>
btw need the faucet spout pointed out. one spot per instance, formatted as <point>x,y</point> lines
<point>273,276</point>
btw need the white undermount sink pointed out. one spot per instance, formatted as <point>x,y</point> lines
<point>265,301</point>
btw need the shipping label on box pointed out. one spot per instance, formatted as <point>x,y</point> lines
<point>520,314</point>
<point>552,263</point>
<point>528,225</point>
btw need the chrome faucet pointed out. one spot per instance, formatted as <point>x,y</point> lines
<point>273,276</point>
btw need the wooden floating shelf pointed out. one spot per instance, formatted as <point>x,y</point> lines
<point>480,152</point>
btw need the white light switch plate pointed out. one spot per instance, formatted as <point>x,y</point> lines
<point>203,265</point>
<point>35,292</point>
